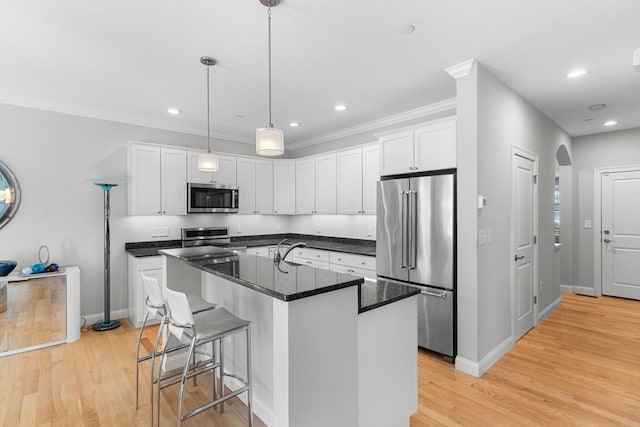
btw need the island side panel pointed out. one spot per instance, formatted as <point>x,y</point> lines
<point>388,364</point>
<point>257,308</point>
<point>315,357</point>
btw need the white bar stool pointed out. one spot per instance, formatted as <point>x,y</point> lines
<point>196,330</point>
<point>156,309</point>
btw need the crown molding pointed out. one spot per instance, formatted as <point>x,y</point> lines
<point>437,107</point>
<point>460,70</point>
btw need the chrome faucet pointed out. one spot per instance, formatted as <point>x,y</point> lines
<point>277,257</point>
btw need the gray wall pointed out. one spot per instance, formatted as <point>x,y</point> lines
<point>52,155</point>
<point>621,148</point>
<point>501,119</point>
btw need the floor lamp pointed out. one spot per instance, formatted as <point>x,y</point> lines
<point>107,324</point>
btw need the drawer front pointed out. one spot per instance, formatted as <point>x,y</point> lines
<point>353,260</point>
<point>313,254</point>
<point>311,262</point>
<point>148,262</point>
<point>354,271</point>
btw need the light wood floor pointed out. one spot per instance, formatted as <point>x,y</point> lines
<point>580,367</point>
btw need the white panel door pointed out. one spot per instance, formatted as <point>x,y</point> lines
<point>264,187</point>
<point>524,217</point>
<point>284,187</point>
<point>173,168</point>
<point>349,187</point>
<point>435,146</point>
<point>397,153</point>
<point>370,176</point>
<point>326,184</point>
<point>621,234</point>
<point>144,185</point>
<point>305,186</point>
<point>226,174</point>
<point>195,174</point>
<point>246,180</point>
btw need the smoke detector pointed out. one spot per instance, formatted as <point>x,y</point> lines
<point>636,59</point>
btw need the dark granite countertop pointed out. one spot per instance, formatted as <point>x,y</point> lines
<point>285,281</point>
<point>338,244</point>
<point>377,293</point>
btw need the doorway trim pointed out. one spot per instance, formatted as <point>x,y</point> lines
<point>529,155</point>
<point>597,220</point>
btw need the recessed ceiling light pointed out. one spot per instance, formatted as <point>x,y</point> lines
<point>407,29</point>
<point>174,111</point>
<point>578,72</point>
<point>610,123</point>
<point>340,107</point>
<point>294,124</point>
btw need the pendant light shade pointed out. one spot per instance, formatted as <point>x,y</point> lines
<point>208,162</point>
<point>269,140</point>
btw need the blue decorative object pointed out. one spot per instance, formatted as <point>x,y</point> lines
<point>38,268</point>
<point>53,267</point>
<point>6,267</point>
<point>26,271</point>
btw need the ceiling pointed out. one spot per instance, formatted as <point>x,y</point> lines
<point>129,61</point>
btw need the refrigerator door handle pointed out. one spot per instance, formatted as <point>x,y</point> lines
<point>404,218</point>
<point>413,218</point>
<point>433,294</point>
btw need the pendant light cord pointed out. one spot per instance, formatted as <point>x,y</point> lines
<point>270,124</point>
<point>208,114</point>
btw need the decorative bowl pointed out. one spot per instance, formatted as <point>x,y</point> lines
<point>6,267</point>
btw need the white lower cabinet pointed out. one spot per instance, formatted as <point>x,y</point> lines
<point>259,250</point>
<point>151,267</point>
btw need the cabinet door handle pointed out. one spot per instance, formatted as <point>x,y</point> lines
<point>517,258</point>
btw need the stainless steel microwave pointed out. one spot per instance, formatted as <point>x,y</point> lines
<point>212,198</point>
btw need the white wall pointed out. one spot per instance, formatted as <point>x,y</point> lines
<point>350,226</point>
<point>52,155</point>
<point>494,118</point>
<point>609,149</point>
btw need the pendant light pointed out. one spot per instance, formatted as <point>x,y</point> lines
<point>269,140</point>
<point>208,162</point>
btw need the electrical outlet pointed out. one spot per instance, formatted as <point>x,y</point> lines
<point>278,226</point>
<point>318,228</point>
<point>489,235</point>
<point>239,228</point>
<point>154,231</point>
<point>163,231</point>
<point>482,237</point>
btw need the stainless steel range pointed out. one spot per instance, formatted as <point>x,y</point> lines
<point>209,236</point>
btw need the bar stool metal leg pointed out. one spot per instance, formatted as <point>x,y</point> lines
<point>144,322</point>
<point>248,332</point>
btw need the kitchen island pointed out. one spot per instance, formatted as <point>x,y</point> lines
<point>316,360</point>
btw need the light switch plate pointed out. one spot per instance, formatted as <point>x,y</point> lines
<point>163,231</point>
<point>587,223</point>
<point>482,237</point>
<point>154,231</point>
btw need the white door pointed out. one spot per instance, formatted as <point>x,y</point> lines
<point>284,187</point>
<point>226,174</point>
<point>173,173</point>
<point>144,188</point>
<point>621,234</point>
<point>305,186</point>
<point>396,153</point>
<point>435,146</point>
<point>370,177</point>
<point>524,251</point>
<point>264,187</point>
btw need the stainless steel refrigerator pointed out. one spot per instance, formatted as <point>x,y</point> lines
<point>416,246</point>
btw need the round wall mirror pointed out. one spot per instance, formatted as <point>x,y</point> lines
<point>9,195</point>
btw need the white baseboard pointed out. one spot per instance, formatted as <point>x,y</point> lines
<point>477,369</point>
<point>583,290</point>
<point>566,288</point>
<point>115,315</point>
<point>549,309</point>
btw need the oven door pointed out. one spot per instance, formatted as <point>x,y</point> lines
<point>208,198</point>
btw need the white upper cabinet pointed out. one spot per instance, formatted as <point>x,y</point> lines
<point>255,182</point>
<point>430,146</point>
<point>305,186</point>
<point>358,172</point>
<point>349,164</point>
<point>435,146</point>
<point>284,187</point>
<point>226,174</point>
<point>246,180</point>
<point>264,186</point>
<point>325,184</point>
<point>370,178</point>
<point>157,180</point>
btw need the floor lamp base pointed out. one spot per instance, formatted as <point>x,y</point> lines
<point>105,326</point>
